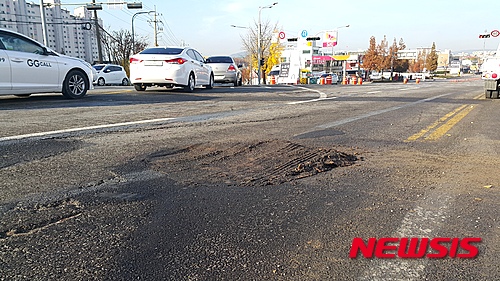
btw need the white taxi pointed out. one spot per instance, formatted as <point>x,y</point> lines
<point>28,67</point>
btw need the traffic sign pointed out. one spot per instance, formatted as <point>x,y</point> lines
<point>303,33</point>
<point>495,33</point>
<point>282,35</point>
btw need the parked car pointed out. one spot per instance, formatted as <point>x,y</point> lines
<point>108,74</point>
<point>225,70</point>
<point>28,67</point>
<point>170,67</point>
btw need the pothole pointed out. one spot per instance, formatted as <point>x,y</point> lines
<point>27,219</point>
<point>248,164</point>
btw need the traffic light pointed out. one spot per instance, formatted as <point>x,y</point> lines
<point>484,36</point>
<point>136,5</point>
<point>94,7</point>
<point>261,62</point>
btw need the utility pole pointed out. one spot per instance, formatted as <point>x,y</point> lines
<point>156,30</point>
<point>98,34</point>
<point>44,24</point>
<point>155,23</point>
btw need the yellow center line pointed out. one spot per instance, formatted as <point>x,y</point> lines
<point>439,132</point>
<point>434,125</point>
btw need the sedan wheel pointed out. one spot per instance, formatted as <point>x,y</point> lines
<point>191,84</point>
<point>125,82</point>
<point>101,82</point>
<point>75,85</point>
<point>139,87</point>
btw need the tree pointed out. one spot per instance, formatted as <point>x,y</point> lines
<point>432,59</point>
<point>274,56</point>
<point>385,59</point>
<point>419,64</point>
<point>250,44</point>
<point>371,58</point>
<point>118,48</point>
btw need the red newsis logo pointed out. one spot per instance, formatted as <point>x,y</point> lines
<point>389,248</point>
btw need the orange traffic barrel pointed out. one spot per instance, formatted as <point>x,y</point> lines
<point>417,81</point>
<point>405,80</point>
<point>329,80</point>
<point>273,80</point>
<point>360,81</point>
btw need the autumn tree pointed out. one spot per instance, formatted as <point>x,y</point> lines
<point>400,65</point>
<point>419,64</point>
<point>431,62</point>
<point>371,58</point>
<point>385,60</point>
<point>251,46</point>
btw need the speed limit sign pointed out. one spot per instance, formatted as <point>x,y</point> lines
<point>495,33</point>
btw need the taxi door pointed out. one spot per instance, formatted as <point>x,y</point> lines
<point>31,68</point>
<point>5,77</point>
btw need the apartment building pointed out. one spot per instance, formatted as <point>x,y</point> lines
<point>67,33</point>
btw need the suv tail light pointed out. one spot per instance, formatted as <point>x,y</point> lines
<point>494,75</point>
<point>231,68</point>
<point>134,60</point>
<point>176,61</point>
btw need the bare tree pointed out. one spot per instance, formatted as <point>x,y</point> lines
<point>117,46</point>
<point>251,46</point>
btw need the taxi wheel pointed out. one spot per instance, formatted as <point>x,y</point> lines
<point>210,82</point>
<point>101,82</point>
<point>75,85</point>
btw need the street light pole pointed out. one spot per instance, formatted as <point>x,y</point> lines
<point>259,43</point>
<point>133,34</point>
<point>344,63</point>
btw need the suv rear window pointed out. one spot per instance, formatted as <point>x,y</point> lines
<point>220,60</point>
<point>163,51</point>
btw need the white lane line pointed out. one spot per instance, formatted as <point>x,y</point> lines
<point>377,112</point>
<point>322,96</point>
<point>374,92</point>
<point>72,130</point>
<point>313,100</point>
<point>424,220</point>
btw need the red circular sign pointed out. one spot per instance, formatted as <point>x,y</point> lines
<point>495,33</point>
<point>282,35</point>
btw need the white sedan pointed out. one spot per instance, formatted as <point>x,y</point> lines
<point>170,67</point>
<point>27,67</point>
<point>107,74</point>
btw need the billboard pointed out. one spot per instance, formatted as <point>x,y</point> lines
<point>330,39</point>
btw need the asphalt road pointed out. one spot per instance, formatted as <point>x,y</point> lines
<point>248,183</point>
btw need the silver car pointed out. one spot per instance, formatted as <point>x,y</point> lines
<point>225,70</point>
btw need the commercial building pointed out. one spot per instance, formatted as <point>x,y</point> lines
<point>66,33</point>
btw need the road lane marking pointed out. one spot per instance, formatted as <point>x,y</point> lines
<point>378,112</point>
<point>439,132</point>
<point>433,125</point>
<point>424,220</point>
<point>449,120</point>
<point>72,130</point>
<point>313,100</point>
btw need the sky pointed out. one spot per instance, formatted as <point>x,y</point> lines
<point>206,24</point>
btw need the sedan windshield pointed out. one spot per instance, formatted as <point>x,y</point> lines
<point>162,51</point>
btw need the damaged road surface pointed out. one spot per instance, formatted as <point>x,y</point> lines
<point>248,183</point>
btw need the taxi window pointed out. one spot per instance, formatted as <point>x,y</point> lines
<point>14,43</point>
